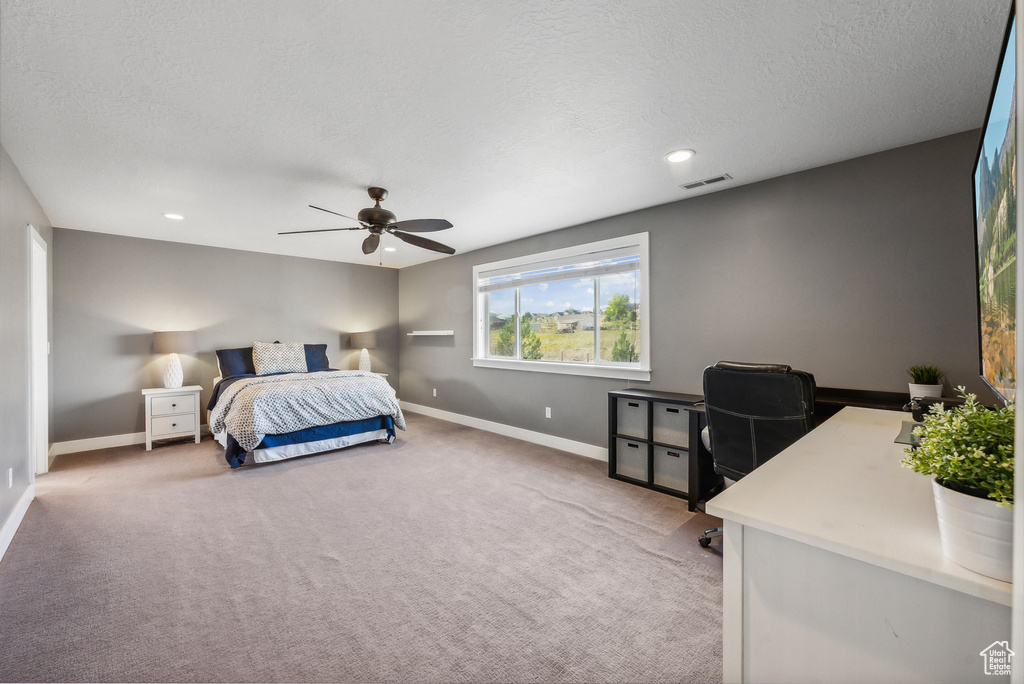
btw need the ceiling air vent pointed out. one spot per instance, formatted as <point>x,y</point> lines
<point>706,181</point>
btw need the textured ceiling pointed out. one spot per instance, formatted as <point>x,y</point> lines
<point>507,118</point>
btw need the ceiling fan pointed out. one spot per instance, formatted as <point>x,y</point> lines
<point>378,221</point>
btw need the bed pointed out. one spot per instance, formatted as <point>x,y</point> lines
<point>276,401</point>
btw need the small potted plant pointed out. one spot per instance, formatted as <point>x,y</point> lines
<point>968,449</point>
<point>925,381</point>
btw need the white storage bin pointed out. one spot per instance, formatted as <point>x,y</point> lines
<point>672,468</point>
<point>671,424</point>
<point>632,417</point>
<point>631,459</point>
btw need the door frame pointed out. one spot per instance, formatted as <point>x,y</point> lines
<point>39,354</point>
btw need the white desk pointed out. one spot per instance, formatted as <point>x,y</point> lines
<point>833,568</point>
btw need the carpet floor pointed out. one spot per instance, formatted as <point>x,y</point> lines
<point>452,555</point>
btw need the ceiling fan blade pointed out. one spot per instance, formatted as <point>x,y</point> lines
<point>319,230</point>
<point>335,213</point>
<point>422,242</point>
<point>422,225</point>
<point>370,243</point>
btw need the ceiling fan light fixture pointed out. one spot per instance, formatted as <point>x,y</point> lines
<point>378,221</point>
<point>677,156</point>
<point>174,217</point>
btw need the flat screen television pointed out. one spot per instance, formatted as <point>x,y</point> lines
<point>995,234</point>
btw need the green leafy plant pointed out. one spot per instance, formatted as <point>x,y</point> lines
<point>925,375</point>
<point>968,446</point>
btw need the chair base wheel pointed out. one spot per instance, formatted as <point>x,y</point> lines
<point>704,542</point>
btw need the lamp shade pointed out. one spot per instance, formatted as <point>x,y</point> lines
<point>363,340</point>
<point>177,342</point>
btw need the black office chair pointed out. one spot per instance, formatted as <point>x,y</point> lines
<point>754,411</point>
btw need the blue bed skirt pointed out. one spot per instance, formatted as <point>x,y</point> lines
<point>235,455</point>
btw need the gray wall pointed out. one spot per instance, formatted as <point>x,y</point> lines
<point>112,292</point>
<point>853,271</point>
<point>18,208</point>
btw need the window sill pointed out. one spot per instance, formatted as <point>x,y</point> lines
<point>587,369</point>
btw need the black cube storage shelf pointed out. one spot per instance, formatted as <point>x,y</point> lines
<point>654,442</point>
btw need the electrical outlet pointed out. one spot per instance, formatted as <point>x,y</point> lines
<point>547,411</point>
<point>435,391</point>
<point>10,478</point>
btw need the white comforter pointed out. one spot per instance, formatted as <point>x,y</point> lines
<point>275,404</point>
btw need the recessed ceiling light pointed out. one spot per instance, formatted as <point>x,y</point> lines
<point>176,217</point>
<point>679,155</point>
<point>389,249</point>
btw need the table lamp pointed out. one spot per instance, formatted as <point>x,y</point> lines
<point>364,341</point>
<point>173,343</point>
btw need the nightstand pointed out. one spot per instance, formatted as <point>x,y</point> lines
<point>171,413</point>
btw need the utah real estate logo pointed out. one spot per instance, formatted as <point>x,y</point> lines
<point>998,658</point>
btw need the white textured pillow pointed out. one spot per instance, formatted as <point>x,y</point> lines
<point>274,357</point>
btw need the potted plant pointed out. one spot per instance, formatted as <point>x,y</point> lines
<point>925,381</point>
<point>969,451</point>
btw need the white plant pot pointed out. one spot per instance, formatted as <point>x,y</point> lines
<point>917,391</point>
<point>976,533</point>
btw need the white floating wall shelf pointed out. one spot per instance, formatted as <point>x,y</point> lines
<point>431,332</point>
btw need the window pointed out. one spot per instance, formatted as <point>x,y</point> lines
<point>581,310</point>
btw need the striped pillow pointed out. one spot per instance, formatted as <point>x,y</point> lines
<point>274,357</point>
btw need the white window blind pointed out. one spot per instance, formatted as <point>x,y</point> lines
<point>588,264</point>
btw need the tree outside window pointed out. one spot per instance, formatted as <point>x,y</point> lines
<point>620,324</point>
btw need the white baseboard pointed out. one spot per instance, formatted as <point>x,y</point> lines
<point>14,521</point>
<point>93,443</point>
<point>544,439</point>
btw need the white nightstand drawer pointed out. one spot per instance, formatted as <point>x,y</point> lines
<point>182,403</point>
<point>173,425</point>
